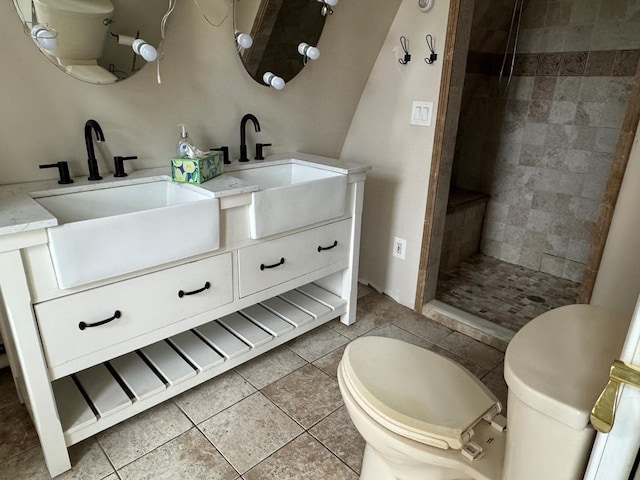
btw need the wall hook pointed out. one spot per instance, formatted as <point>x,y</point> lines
<point>405,48</point>
<point>433,56</point>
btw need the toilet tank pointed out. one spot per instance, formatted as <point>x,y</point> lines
<point>82,26</point>
<point>555,368</point>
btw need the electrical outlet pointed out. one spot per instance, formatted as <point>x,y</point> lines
<point>399,247</point>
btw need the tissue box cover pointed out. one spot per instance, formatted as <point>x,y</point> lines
<point>196,170</point>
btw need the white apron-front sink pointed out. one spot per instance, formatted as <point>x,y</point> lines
<point>111,231</point>
<point>292,196</point>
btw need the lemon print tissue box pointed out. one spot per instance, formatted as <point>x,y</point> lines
<point>198,169</point>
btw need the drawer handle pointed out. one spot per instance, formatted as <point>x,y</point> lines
<point>182,293</point>
<point>263,266</point>
<point>335,244</point>
<point>83,325</point>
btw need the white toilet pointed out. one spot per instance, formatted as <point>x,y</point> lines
<point>425,417</point>
<point>82,27</point>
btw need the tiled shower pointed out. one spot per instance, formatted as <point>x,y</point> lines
<point>542,150</point>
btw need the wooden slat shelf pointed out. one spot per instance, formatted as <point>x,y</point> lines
<point>109,393</point>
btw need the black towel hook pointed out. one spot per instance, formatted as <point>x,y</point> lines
<point>433,56</point>
<point>405,47</point>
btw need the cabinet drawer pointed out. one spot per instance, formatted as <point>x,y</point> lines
<point>277,261</point>
<point>146,303</point>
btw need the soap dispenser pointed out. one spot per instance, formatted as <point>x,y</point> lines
<point>185,147</point>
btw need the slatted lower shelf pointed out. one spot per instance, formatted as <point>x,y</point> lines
<point>101,396</point>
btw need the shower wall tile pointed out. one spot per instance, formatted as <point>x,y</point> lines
<point>548,64</point>
<point>562,112</point>
<point>589,113</point>
<point>543,88</point>
<point>534,134</point>
<point>539,111</point>
<point>577,37</point>
<point>567,89</point>
<point>606,140</point>
<point>573,63</point>
<point>558,13</point>
<point>544,149</point>
<point>552,265</point>
<point>573,271</point>
<point>600,63</point>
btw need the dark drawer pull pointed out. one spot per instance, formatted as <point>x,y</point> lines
<point>263,266</point>
<point>83,325</point>
<point>335,244</point>
<point>182,293</point>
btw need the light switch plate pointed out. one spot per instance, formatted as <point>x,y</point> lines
<point>421,113</point>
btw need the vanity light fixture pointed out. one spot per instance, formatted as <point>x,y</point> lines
<point>308,52</point>
<point>139,46</point>
<point>273,80</point>
<point>326,6</point>
<point>45,37</point>
<point>244,40</point>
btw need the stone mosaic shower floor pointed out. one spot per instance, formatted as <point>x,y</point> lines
<point>506,294</point>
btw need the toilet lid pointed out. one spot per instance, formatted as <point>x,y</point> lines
<point>414,392</point>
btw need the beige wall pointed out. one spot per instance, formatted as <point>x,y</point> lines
<point>380,135</point>
<point>618,282</point>
<point>204,85</point>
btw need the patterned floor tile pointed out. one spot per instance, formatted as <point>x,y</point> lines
<point>249,431</point>
<point>137,436</point>
<point>270,366</point>
<point>16,431</point>
<point>188,456</point>
<point>477,370</point>
<point>472,350</point>
<point>329,363</point>
<point>213,396</point>
<point>337,433</point>
<point>306,395</point>
<point>317,343</point>
<point>303,459</point>
<point>88,462</point>
<point>391,331</point>
<point>8,393</point>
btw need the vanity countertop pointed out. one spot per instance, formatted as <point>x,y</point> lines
<point>19,212</point>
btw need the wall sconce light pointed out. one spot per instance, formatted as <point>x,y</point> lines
<point>139,46</point>
<point>244,40</point>
<point>326,6</point>
<point>273,80</point>
<point>45,37</point>
<point>308,52</point>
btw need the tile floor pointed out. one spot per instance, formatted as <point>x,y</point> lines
<point>277,417</point>
<point>503,293</point>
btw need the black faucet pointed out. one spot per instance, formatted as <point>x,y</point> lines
<point>94,174</point>
<point>243,134</point>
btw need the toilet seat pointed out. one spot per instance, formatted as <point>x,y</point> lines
<point>416,393</point>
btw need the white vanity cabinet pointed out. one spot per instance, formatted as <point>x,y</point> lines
<point>89,357</point>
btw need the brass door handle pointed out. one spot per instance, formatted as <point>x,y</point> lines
<point>604,411</point>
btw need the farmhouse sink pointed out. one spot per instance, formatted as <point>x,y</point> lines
<point>292,196</point>
<point>106,232</point>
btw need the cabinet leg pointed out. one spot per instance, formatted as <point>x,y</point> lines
<point>31,363</point>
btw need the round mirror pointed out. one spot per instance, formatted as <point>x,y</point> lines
<point>283,36</point>
<point>97,41</point>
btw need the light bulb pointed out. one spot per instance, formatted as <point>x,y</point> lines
<point>244,40</point>
<point>45,37</point>
<point>146,51</point>
<point>273,80</point>
<point>333,3</point>
<point>308,51</point>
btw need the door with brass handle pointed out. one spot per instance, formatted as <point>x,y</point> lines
<point>604,411</point>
